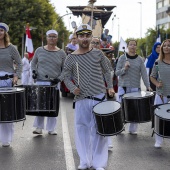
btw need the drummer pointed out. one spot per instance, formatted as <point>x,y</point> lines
<point>48,62</point>
<point>130,68</point>
<point>95,43</point>
<point>86,65</point>
<point>8,54</point>
<point>160,77</point>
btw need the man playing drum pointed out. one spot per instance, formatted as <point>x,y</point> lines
<point>47,63</point>
<point>86,65</point>
<point>130,68</point>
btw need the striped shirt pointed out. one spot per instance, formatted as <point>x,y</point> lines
<point>132,76</point>
<point>7,57</point>
<point>48,64</point>
<point>164,71</point>
<point>91,67</point>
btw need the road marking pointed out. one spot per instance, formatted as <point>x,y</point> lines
<point>70,165</point>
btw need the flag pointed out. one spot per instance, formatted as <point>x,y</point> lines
<point>28,43</point>
<point>158,36</point>
<point>122,45</point>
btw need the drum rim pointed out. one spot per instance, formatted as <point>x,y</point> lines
<point>132,97</point>
<point>13,90</point>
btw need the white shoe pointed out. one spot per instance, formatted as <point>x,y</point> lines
<point>52,133</point>
<point>37,131</point>
<point>99,168</point>
<point>133,133</point>
<point>6,144</point>
<point>80,167</point>
<point>157,145</point>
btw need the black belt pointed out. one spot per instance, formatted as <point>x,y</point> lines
<point>6,77</point>
<point>95,98</point>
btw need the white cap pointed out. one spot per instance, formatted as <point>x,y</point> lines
<point>71,36</point>
<point>51,32</point>
<point>84,29</point>
<point>4,26</point>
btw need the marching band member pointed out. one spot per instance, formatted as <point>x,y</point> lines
<point>86,65</point>
<point>151,60</point>
<point>8,54</point>
<point>130,68</point>
<point>160,77</point>
<point>72,46</point>
<point>25,76</point>
<point>48,62</point>
<point>95,43</point>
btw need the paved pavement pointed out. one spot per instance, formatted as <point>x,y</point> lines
<point>47,152</point>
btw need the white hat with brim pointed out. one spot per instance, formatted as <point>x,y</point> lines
<point>51,32</point>
<point>84,29</point>
<point>4,26</point>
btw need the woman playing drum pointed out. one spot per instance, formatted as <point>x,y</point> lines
<point>160,77</point>
<point>130,68</point>
<point>8,54</point>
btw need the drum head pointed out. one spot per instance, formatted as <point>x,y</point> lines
<point>140,94</point>
<point>163,111</point>
<point>106,107</point>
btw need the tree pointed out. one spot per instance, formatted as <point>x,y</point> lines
<point>38,13</point>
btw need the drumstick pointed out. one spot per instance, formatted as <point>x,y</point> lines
<point>125,53</point>
<point>77,73</point>
<point>156,64</point>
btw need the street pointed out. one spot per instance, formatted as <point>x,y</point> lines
<point>58,152</point>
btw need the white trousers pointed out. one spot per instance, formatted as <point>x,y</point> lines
<point>25,77</point>
<point>91,147</point>
<point>159,139</point>
<point>132,126</point>
<point>39,120</point>
<point>6,129</point>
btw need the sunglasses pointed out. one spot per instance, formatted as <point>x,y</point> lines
<point>95,43</point>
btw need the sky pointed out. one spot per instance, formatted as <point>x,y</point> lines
<point>125,20</point>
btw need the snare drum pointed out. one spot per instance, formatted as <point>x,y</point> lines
<point>42,100</point>
<point>12,104</point>
<point>109,119</point>
<point>162,120</point>
<point>137,106</point>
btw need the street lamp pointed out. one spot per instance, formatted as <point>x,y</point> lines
<point>140,19</point>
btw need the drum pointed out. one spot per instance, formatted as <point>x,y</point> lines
<point>109,119</point>
<point>12,104</point>
<point>42,100</point>
<point>137,106</point>
<point>162,120</point>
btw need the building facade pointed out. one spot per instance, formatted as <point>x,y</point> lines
<point>163,13</point>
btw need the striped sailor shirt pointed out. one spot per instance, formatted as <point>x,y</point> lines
<point>164,72</point>
<point>48,64</point>
<point>7,57</point>
<point>132,76</point>
<point>91,67</point>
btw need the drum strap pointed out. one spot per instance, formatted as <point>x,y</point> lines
<point>6,77</point>
<point>92,98</point>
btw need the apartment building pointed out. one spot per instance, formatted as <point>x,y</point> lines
<point>163,13</point>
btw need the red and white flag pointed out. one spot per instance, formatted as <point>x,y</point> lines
<point>28,42</point>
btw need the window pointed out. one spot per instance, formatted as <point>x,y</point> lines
<point>159,5</point>
<point>165,2</point>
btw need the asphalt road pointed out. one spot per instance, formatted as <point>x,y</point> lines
<point>47,152</point>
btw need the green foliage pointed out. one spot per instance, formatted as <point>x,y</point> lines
<point>38,13</point>
<point>144,46</point>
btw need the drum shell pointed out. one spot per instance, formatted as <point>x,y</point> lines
<point>42,100</point>
<point>162,125</point>
<point>109,124</point>
<point>137,109</point>
<point>12,105</point>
